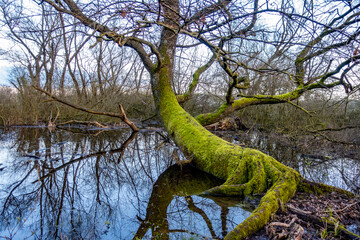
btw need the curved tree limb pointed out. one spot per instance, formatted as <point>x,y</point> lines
<point>187,95</point>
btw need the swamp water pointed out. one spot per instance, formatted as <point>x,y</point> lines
<point>84,184</point>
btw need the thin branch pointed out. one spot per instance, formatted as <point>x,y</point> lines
<point>207,11</point>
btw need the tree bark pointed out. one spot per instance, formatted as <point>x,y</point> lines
<point>245,171</point>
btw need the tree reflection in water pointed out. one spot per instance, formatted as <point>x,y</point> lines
<point>114,185</point>
<point>105,185</point>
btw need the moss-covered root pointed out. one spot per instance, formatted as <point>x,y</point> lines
<point>263,172</point>
<point>320,188</point>
<point>279,193</point>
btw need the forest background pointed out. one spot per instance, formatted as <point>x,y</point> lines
<point>96,74</point>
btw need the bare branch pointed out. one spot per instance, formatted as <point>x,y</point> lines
<point>186,96</point>
<point>131,42</point>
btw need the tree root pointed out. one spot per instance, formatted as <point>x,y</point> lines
<point>280,183</point>
<point>265,173</point>
<point>292,230</point>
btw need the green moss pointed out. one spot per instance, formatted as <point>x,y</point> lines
<point>225,109</point>
<point>299,60</point>
<point>206,119</point>
<point>245,171</point>
<point>321,189</point>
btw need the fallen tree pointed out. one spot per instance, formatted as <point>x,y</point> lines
<point>245,171</point>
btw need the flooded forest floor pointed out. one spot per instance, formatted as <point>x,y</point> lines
<point>127,170</point>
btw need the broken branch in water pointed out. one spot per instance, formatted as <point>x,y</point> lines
<point>83,122</point>
<point>122,116</point>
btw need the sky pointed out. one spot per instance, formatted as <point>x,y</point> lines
<point>4,64</point>
<point>268,19</point>
<point>3,74</point>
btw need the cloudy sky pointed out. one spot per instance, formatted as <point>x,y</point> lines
<point>3,74</point>
<point>4,64</point>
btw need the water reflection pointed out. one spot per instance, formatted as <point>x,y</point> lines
<point>105,185</point>
<point>173,202</point>
<point>113,185</point>
<point>334,164</point>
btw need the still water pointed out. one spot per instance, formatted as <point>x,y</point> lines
<point>92,184</point>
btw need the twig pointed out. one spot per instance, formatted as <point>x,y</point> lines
<point>343,209</point>
<point>126,120</point>
<point>335,141</point>
<point>247,132</point>
<point>152,116</point>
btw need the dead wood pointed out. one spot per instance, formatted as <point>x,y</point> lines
<point>122,116</point>
<point>83,122</point>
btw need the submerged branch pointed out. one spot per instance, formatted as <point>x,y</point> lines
<point>83,122</point>
<point>122,116</point>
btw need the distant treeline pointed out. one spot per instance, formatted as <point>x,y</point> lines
<point>30,107</point>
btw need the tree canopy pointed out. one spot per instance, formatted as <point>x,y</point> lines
<point>256,52</point>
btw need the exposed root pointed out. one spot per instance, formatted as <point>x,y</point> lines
<point>281,230</point>
<point>228,124</point>
<point>265,173</point>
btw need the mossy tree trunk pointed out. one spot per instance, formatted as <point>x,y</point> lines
<point>246,171</point>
